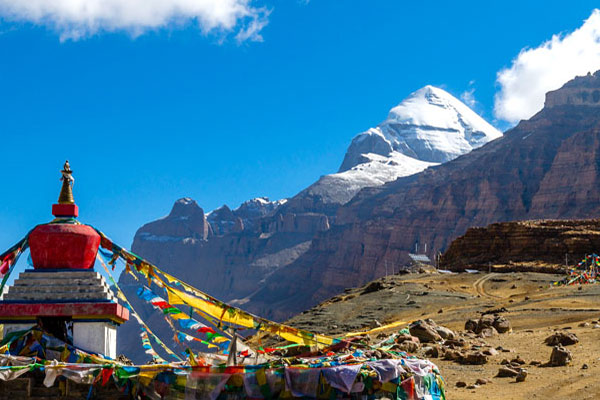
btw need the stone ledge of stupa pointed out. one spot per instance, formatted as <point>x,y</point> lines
<point>59,286</point>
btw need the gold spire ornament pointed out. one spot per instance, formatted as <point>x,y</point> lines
<point>66,191</point>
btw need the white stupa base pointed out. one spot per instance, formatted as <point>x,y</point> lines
<point>98,337</point>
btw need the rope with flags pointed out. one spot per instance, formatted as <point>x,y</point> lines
<point>205,304</point>
<point>146,332</point>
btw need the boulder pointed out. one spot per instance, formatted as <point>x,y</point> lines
<point>471,325</point>
<point>507,372</point>
<point>501,324</point>
<point>562,338</point>
<point>486,321</point>
<point>405,337</point>
<point>522,375</point>
<point>490,352</point>
<point>560,357</point>
<point>455,343</point>
<point>444,332</point>
<point>424,331</point>
<point>453,355</point>
<point>475,358</point>
<point>488,331</point>
<point>407,346</point>
<point>517,360</point>
<point>432,352</point>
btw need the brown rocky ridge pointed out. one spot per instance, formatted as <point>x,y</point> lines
<point>543,246</point>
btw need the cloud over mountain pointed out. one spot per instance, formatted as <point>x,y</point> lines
<point>547,67</point>
<point>75,19</point>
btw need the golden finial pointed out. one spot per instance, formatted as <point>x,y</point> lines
<point>66,191</point>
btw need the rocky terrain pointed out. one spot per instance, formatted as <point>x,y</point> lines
<point>512,335</point>
<point>523,245</point>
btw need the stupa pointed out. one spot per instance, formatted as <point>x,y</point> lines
<point>63,294</point>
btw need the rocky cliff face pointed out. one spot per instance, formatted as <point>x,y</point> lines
<point>514,243</point>
<point>546,167</point>
<point>185,221</point>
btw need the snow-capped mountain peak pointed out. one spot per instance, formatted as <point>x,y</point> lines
<point>427,128</point>
<point>429,125</point>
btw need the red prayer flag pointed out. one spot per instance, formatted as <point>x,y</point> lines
<point>106,374</point>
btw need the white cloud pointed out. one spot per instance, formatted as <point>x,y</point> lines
<point>536,71</point>
<point>468,96</point>
<point>75,19</point>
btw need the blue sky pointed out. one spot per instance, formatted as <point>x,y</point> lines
<point>151,116</point>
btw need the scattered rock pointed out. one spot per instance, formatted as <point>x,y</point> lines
<point>432,352</point>
<point>424,331</point>
<point>455,343</point>
<point>584,366</point>
<point>596,326</point>
<point>461,384</point>
<point>513,286</point>
<point>517,360</point>
<point>444,332</point>
<point>488,332</point>
<point>404,338</point>
<point>504,361</point>
<point>560,356</point>
<point>522,375</point>
<point>502,325</point>
<point>498,323</point>
<point>535,362</point>
<point>562,338</point>
<point>506,372</point>
<point>526,298</point>
<point>584,324</point>
<point>408,346</point>
<point>470,387</point>
<point>482,381</point>
<point>490,352</point>
<point>453,355</point>
<point>476,358</point>
<point>471,325</point>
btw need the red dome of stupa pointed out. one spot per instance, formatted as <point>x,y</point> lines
<point>64,243</point>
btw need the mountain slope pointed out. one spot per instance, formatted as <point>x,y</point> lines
<point>427,128</point>
<point>546,167</point>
